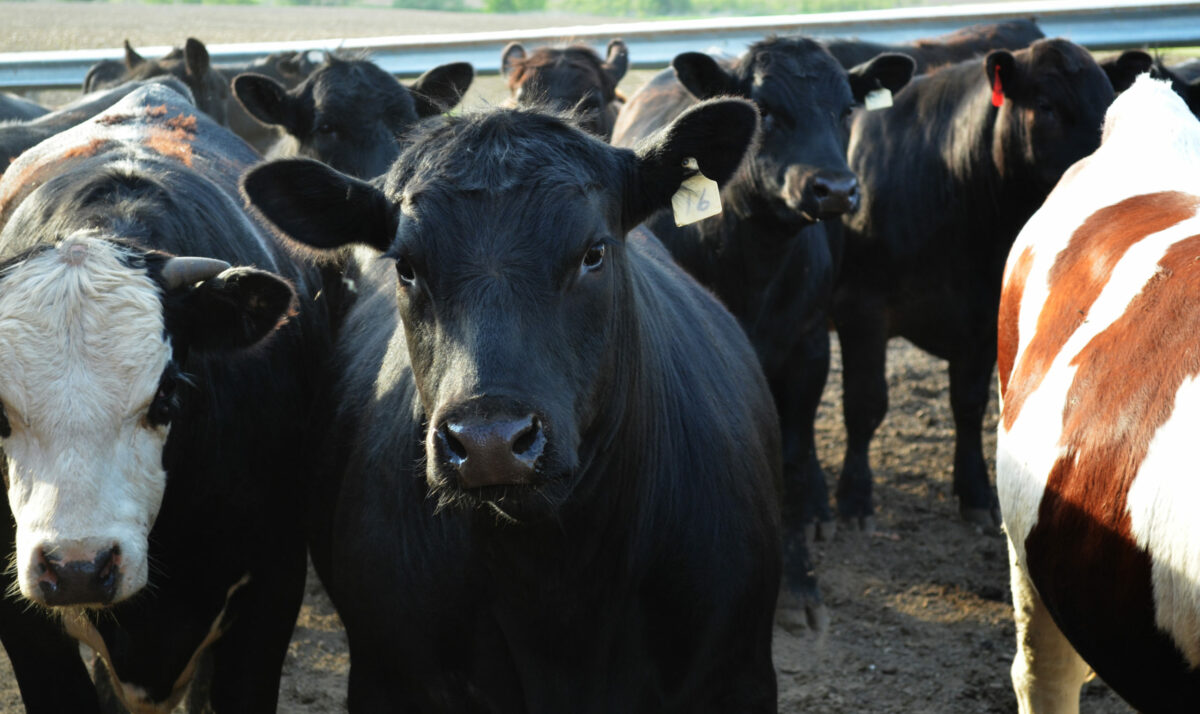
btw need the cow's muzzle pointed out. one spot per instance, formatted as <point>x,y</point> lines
<point>492,450</point>
<point>64,580</point>
<point>821,194</point>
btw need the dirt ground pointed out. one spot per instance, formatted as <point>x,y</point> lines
<point>919,611</point>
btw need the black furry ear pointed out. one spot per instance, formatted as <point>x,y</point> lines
<point>509,56</point>
<point>702,76</point>
<point>891,71</point>
<point>1002,75</point>
<point>132,58</point>
<point>1122,69</point>
<point>616,60</point>
<point>195,56</point>
<point>266,100</point>
<point>318,206</point>
<point>230,311</point>
<point>441,89</point>
<point>715,133</point>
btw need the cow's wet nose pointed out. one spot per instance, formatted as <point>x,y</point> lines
<point>831,194</point>
<point>78,581</point>
<point>492,452</point>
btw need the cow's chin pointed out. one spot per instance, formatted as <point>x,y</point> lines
<point>514,504</point>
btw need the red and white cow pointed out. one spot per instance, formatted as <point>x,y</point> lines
<point>1096,466</point>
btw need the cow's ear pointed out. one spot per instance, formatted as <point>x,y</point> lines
<point>616,62</point>
<point>102,74</point>
<point>715,133</point>
<point>266,99</point>
<point>702,76</point>
<point>1002,74</point>
<point>441,88</point>
<point>195,57</point>
<point>1122,69</point>
<point>318,206</point>
<point>132,58</point>
<point>232,310</point>
<point>512,52</point>
<point>890,71</point>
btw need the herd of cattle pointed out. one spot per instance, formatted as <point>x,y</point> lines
<point>548,449</point>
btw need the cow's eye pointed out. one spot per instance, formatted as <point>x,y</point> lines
<point>326,128</point>
<point>164,405</point>
<point>405,271</point>
<point>593,258</point>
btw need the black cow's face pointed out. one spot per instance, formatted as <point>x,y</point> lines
<point>350,113</point>
<point>1052,111</point>
<point>571,79</point>
<point>799,172</point>
<point>513,281</point>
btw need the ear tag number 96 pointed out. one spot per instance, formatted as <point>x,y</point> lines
<point>698,197</point>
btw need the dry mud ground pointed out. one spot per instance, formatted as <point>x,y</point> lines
<point>920,614</point>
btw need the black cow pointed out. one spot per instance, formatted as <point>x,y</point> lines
<point>156,411</point>
<point>1125,67</point>
<point>16,137</point>
<point>560,450</point>
<point>771,256</point>
<point>289,68</point>
<point>349,113</point>
<point>189,63</point>
<point>569,79</point>
<point>14,108</point>
<point>934,52</point>
<point>948,180</point>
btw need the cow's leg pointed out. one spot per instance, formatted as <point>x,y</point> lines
<point>805,496</point>
<point>970,380</point>
<point>1047,673</point>
<point>862,332</point>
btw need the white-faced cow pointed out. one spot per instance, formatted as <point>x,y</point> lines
<point>558,451</point>
<point>950,173</point>
<point>569,79</point>
<point>1095,458</point>
<point>771,256</point>
<point>349,113</point>
<point>156,407</point>
<point>190,64</point>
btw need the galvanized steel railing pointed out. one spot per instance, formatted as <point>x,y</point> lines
<point>1096,25</point>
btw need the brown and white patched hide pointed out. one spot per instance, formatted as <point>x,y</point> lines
<point>1099,355</point>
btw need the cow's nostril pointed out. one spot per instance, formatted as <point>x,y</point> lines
<point>456,453</point>
<point>530,441</point>
<point>821,190</point>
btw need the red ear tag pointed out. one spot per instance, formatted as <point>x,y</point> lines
<point>997,90</point>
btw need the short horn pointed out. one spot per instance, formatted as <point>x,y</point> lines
<point>177,272</point>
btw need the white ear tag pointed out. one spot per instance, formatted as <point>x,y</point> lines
<point>878,99</point>
<point>698,197</point>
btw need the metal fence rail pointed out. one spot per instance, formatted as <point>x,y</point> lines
<point>1096,25</point>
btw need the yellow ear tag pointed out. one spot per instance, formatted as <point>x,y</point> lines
<point>878,99</point>
<point>698,197</point>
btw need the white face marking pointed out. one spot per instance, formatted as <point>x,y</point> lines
<point>82,349</point>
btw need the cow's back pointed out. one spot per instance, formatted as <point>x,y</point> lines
<point>1098,372</point>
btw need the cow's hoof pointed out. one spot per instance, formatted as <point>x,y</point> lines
<point>866,523</point>
<point>986,518</point>
<point>801,615</point>
<point>819,531</point>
